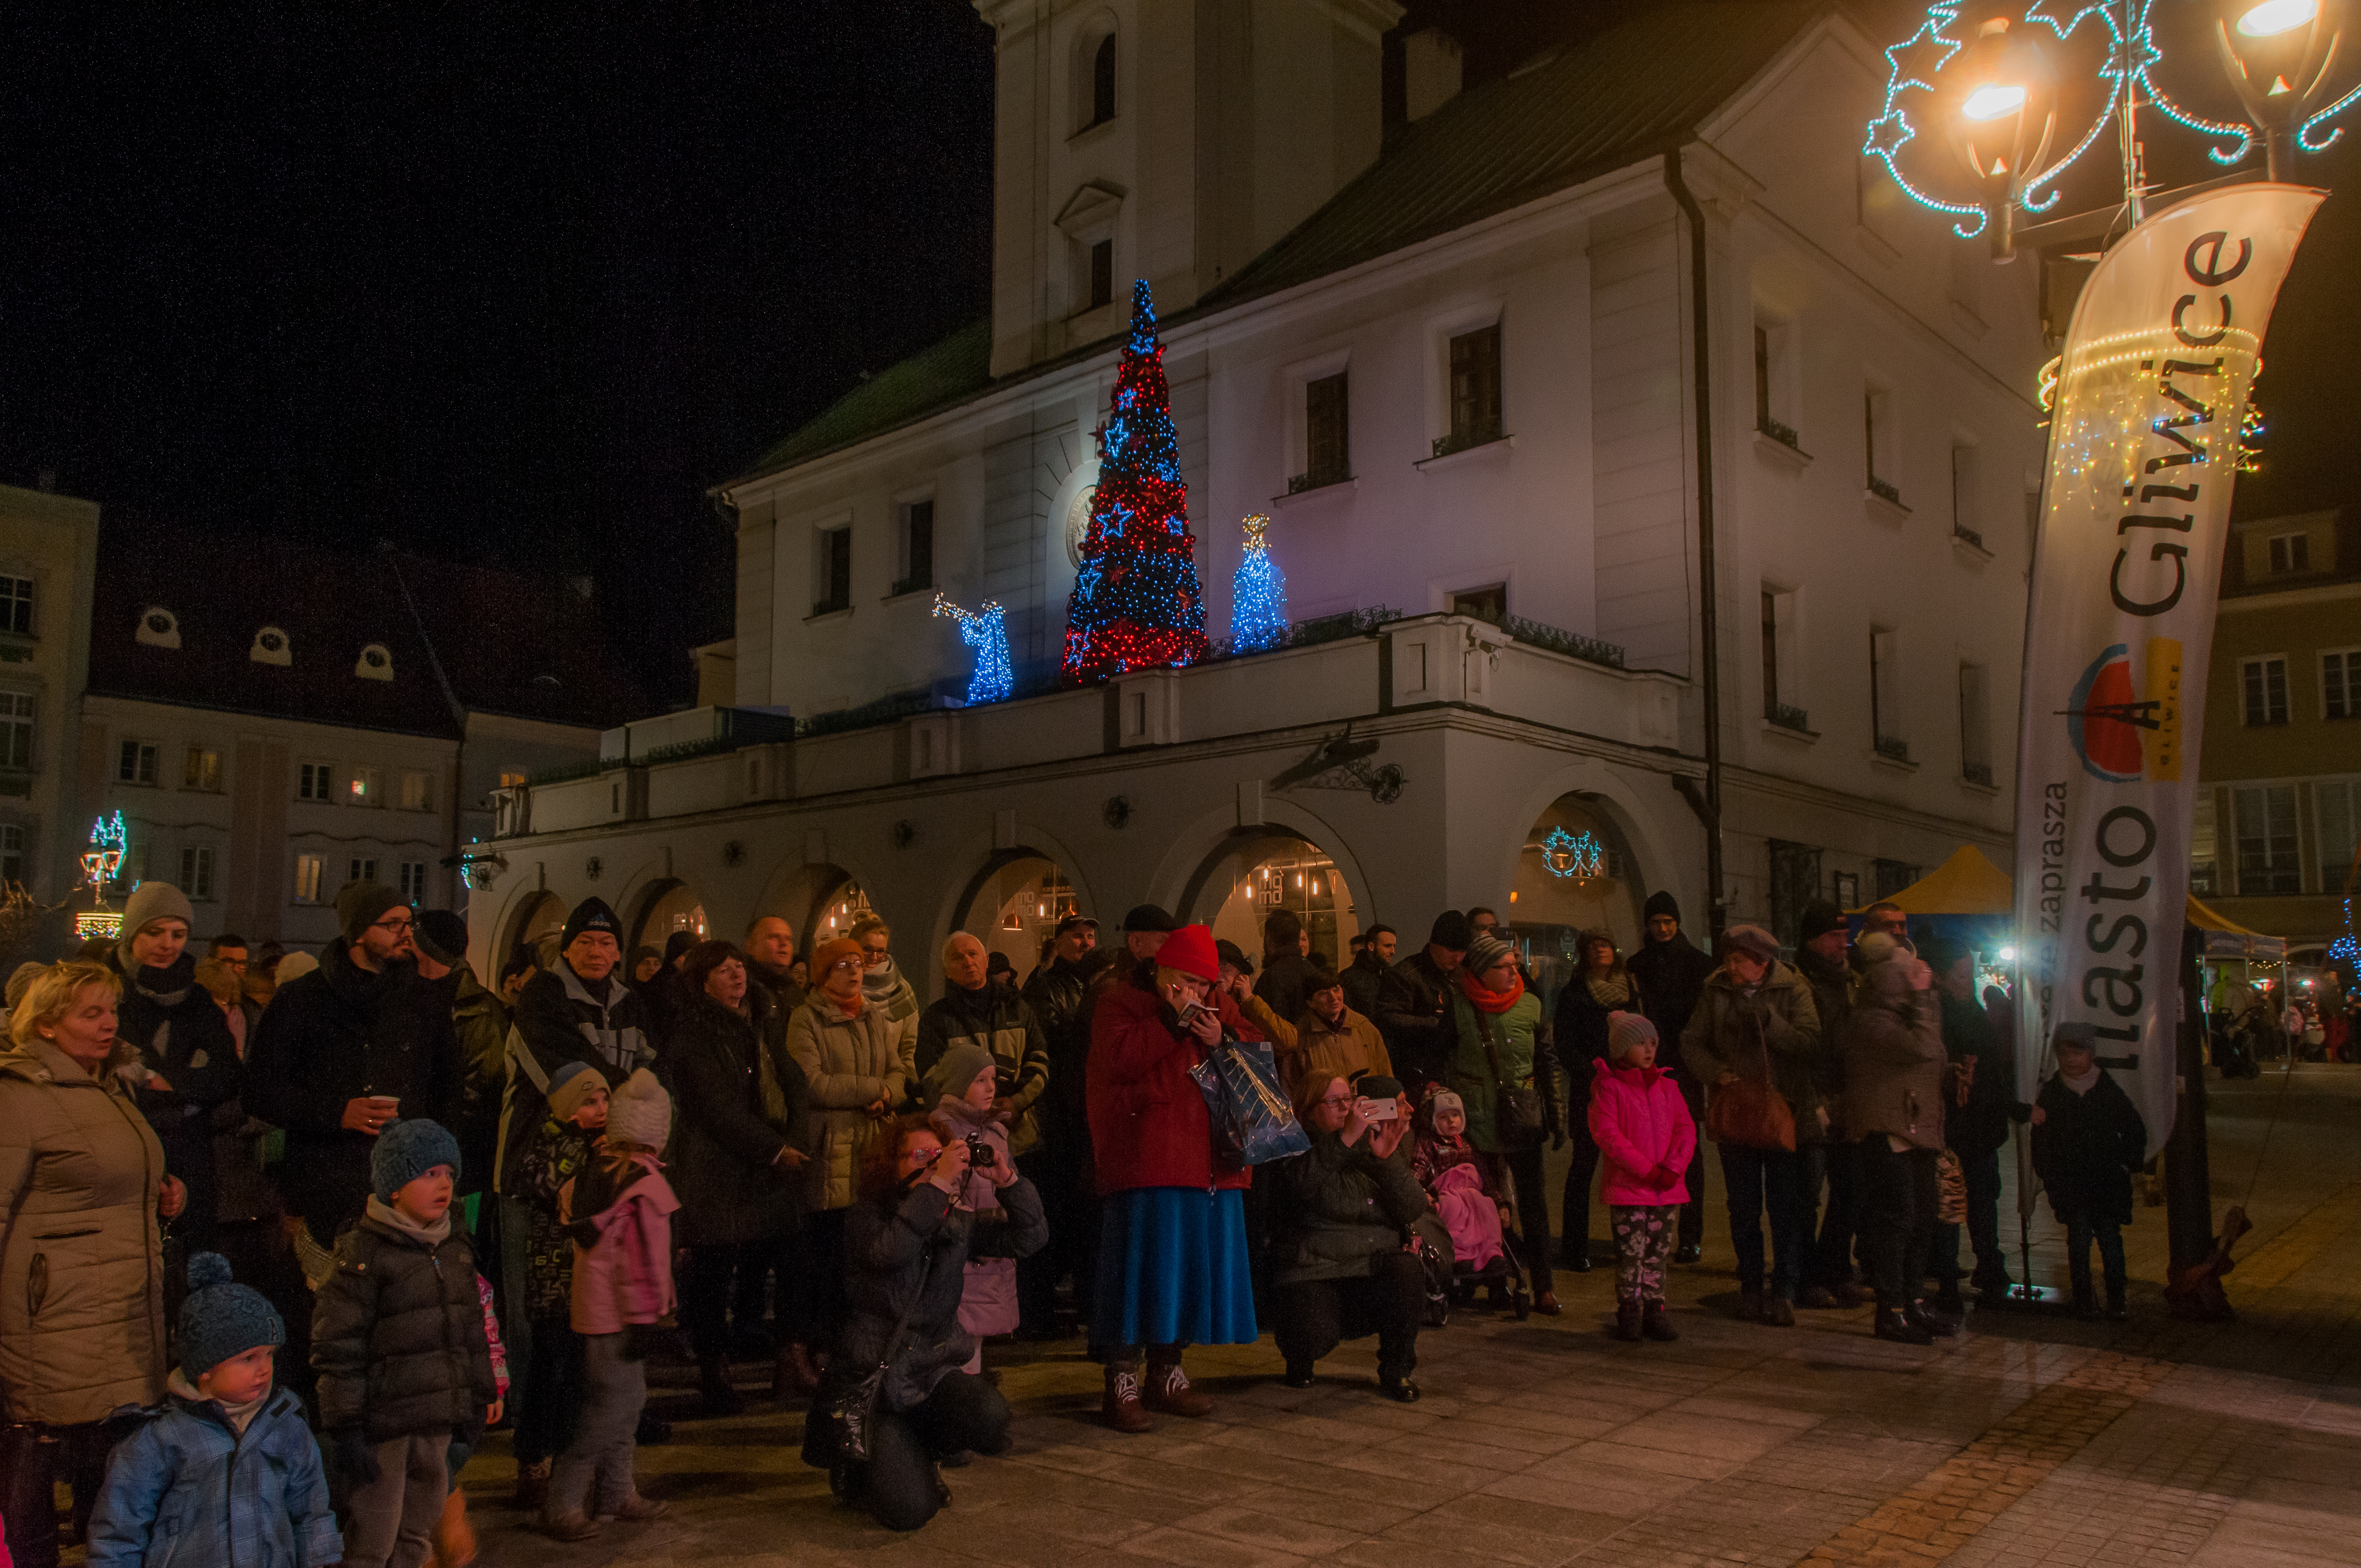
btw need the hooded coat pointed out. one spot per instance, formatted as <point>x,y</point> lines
<point>741,1101</point>
<point>338,1035</point>
<point>1773,1033</point>
<point>189,1490</point>
<point>849,1062</point>
<point>1336,1208</point>
<point>398,1331</point>
<point>1149,1126</point>
<point>1644,1135</point>
<point>81,1267</point>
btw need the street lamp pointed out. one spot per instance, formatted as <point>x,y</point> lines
<point>2277,55</point>
<point>2002,110</point>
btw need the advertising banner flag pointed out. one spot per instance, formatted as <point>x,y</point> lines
<point>2143,448</point>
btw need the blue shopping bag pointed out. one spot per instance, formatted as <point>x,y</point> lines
<point>1253,1122</point>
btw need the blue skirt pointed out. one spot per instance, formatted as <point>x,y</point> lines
<point>1173,1269</point>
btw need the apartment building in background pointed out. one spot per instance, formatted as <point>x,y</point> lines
<point>49,552</point>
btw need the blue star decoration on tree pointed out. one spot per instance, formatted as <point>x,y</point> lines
<point>1258,594</point>
<point>1138,603</point>
<point>986,629</point>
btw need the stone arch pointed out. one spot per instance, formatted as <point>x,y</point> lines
<point>1634,832</point>
<point>531,913</point>
<point>1213,856</point>
<point>654,905</point>
<point>800,893</point>
<point>958,896</point>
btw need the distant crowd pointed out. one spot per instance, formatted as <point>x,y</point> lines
<point>283,1239</point>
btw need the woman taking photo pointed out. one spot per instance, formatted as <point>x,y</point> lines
<point>1491,1068</point>
<point>907,1243</point>
<point>81,1264</point>
<point>1600,988</point>
<point>1173,1264</point>
<point>742,1156</point>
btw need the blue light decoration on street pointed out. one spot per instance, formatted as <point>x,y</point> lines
<point>1577,855</point>
<point>986,629</point>
<point>100,865</point>
<point>1989,76</point>
<point>1258,594</point>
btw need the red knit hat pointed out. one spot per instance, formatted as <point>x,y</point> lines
<point>1191,950</point>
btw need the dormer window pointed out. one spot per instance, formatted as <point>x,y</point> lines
<point>270,647</point>
<point>1093,72</point>
<point>375,663</point>
<point>158,627</point>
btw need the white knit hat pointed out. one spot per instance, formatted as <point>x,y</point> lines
<point>641,1111</point>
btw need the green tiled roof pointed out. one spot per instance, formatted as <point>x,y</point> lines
<point>1630,92</point>
<point>951,371</point>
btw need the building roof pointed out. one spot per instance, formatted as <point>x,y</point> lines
<point>506,643</point>
<point>1581,111</point>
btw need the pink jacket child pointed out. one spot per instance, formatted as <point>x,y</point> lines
<point>1457,1180</point>
<point>1644,1133</point>
<point>619,1214</point>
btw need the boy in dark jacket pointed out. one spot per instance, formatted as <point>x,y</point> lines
<point>2088,1137</point>
<point>564,1145</point>
<point>398,1347</point>
<point>229,1466</point>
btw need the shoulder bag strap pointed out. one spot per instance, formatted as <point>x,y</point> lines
<point>1484,1033</point>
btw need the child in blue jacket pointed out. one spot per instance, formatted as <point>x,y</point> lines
<point>229,1472</point>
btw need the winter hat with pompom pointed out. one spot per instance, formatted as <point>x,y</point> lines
<point>640,1112</point>
<point>1626,1032</point>
<point>221,1318</point>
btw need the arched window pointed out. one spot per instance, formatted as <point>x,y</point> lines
<point>1102,81</point>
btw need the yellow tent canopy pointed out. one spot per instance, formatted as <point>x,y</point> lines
<point>2224,938</point>
<point>1966,883</point>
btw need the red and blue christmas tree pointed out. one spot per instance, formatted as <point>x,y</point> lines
<point>1137,602</point>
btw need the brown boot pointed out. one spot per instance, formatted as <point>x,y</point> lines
<point>1168,1387</point>
<point>454,1540</point>
<point>532,1486</point>
<point>1121,1408</point>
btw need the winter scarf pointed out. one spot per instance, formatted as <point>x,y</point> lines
<point>2084,1084</point>
<point>385,1214</point>
<point>1611,989</point>
<point>885,987</point>
<point>238,1415</point>
<point>1494,1001</point>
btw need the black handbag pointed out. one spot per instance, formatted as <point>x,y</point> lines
<point>854,1412</point>
<point>1516,1108</point>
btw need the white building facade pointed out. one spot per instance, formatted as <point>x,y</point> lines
<point>1457,364</point>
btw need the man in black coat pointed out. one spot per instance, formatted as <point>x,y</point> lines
<point>1058,994</point>
<point>1366,975</point>
<point>1672,973</point>
<point>347,1050</point>
<point>1285,982</point>
<point>577,1010</point>
<point>1983,1100</point>
<point>1411,1000</point>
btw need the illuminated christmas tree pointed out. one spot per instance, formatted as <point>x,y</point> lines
<point>1138,603</point>
<point>986,629</point>
<point>1258,594</point>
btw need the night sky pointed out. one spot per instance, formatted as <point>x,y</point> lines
<point>519,284</point>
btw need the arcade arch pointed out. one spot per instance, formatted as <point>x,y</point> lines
<point>819,900</point>
<point>670,906</point>
<point>1259,871</point>
<point>1576,873</point>
<point>1014,904</point>
<point>533,929</point>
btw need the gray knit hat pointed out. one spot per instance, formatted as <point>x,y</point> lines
<point>1484,950</point>
<point>148,903</point>
<point>408,1150</point>
<point>221,1318</point>
<point>1625,1031</point>
<point>957,1068</point>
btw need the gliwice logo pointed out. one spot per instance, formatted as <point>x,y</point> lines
<point>2124,728</point>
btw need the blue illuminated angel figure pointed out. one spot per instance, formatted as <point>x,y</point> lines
<point>986,629</point>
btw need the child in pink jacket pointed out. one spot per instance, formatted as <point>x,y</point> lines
<point>1645,1136</point>
<point>619,1213</point>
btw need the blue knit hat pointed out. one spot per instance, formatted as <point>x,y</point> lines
<point>408,1150</point>
<point>222,1319</point>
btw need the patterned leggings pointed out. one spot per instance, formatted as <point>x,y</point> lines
<point>1644,1236</point>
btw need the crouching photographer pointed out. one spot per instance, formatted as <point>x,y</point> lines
<point>895,1403</point>
<point>1343,1214</point>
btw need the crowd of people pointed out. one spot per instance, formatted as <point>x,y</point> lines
<point>284,1239</point>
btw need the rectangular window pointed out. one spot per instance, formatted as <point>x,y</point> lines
<point>2262,691</point>
<point>914,539</point>
<point>413,882</point>
<point>307,879</point>
<point>1102,273</point>
<point>1482,604</point>
<point>2264,817</point>
<point>203,769</point>
<point>1891,877</point>
<point>361,869</point>
<point>511,778</point>
<point>1845,888</point>
<point>1475,389</point>
<point>1975,726</point>
<point>1774,416</point>
<point>1781,689</point>
<point>835,572</point>
<point>197,871</point>
<point>12,855</point>
<point>16,604</point>
<point>2340,684</point>
<point>316,781</point>
<point>1795,882</point>
<point>2204,857</point>
<point>417,792</point>
<point>2290,553</point>
<point>1770,651</point>
<point>368,787</point>
<point>136,763</point>
<point>2338,803</point>
<point>1885,696</point>
<point>1327,440</point>
<point>16,729</point>
<point>1761,377</point>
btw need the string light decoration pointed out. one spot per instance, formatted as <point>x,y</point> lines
<point>1988,75</point>
<point>1577,855</point>
<point>100,864</point>
<point>1258,594</point>
<point>986,629</point>
<point>1138,603</point>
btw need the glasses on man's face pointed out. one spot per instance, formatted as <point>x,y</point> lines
<point>399,926</point>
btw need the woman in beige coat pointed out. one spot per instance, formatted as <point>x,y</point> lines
<point>81,1273</point>
<point>852,1054</point>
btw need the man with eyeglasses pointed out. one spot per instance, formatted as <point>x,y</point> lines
<point>346,1050</point>
<point>577,1010</point>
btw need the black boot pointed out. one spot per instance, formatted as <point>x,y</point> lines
<point>1934,1324</point>
<point>715,1396</point>
<point>1895,1325</point>
<point>1627,1321</point>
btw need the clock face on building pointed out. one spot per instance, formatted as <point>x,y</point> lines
<point>1078,522</point>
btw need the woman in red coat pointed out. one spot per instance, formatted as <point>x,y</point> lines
<point>1173,1261</point>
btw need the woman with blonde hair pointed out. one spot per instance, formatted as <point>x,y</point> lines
<point>82,1199</point>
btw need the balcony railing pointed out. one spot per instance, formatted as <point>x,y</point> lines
<point>1786,716</point>
<point>1558,640</point>
<point>1317,479</point>
<point>1784,434</point>
<point>1966,535</point>
<point>1885,490</point>
<point>1473,436</point>
<point>1894,748</point>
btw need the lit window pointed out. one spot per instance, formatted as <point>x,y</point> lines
<point>417,792</point>
<point>203,769</point>
<point>366,788</point>
<point>307,879</point>
<point>511,778</point>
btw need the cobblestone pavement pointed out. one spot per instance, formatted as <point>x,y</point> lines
<point>2028,1440</point>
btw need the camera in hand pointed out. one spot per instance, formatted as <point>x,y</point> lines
<point>979,1153</point>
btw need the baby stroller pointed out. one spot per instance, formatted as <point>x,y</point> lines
<point>1502,1276</point>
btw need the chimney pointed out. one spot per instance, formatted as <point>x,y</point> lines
<point>1431,70</point>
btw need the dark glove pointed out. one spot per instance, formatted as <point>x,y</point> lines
<point>355,1458</point>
